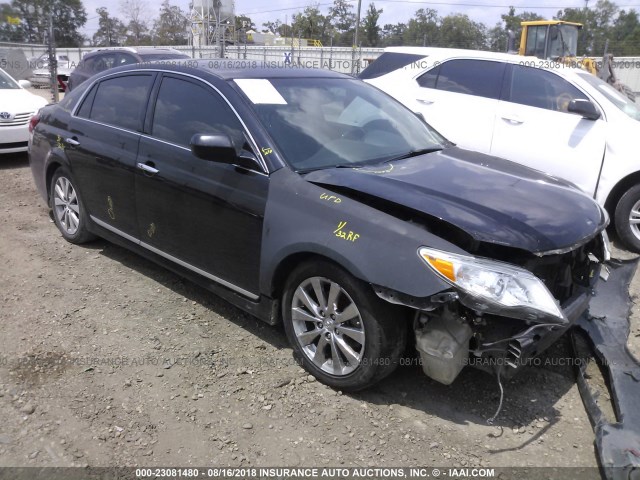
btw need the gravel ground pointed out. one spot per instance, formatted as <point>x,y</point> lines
<point>109,360</point>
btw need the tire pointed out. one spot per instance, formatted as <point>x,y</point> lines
<point>347,361</point>
<point>69,213</point>
<point>629,232</point>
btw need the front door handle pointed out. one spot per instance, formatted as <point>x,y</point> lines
<point>515,120</point>
<point>425,101</point>
<point>72,141</point>
<point>146,168</point>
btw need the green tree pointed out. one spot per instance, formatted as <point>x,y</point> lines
<point>423,29</point>
<point>625,35</point>
<point>271,27</point>
<point>392,35</point>
<point>459,31</point>
<point>370,27</point>
<point>111,31</point>
<point>68,17</point>
<point>170,28</point>
<point>277,28</point>
<point>598,23</point>
<point>135,12</point>
<point>312,24</point>
<point>343,21</point>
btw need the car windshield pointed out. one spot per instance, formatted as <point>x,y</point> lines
<point>6,82</point>
<point>335,122</point>
<point>613,95</point>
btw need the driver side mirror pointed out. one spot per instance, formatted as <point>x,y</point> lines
<point>585,108</point>
<point>219,148</point>
<point>24,83</point>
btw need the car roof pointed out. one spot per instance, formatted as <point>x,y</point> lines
<point>138,50</point>
<point>229,69</point>
<point>441,54</point>
<point>457,52</point>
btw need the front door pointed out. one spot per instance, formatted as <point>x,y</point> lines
<point>534,128</point>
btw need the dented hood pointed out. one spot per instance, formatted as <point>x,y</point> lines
<point>492,199</point>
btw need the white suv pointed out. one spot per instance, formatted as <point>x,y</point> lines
<point>563,121</point>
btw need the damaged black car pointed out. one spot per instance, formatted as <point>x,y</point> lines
<point>311,198</point>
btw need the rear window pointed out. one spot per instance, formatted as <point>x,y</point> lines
<point>481,78</point>
<point>388,62</point>
<point>120,101</point>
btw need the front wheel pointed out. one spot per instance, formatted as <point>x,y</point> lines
<point>68,210</point>
<point>341,332</point>
<point>627,218</point>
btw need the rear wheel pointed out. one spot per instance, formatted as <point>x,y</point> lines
<point>340,331</point>
<point>68,210</point>
<point>627,218</point>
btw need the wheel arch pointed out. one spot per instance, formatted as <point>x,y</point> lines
<point>287,264</point>
<point>52,167</point>
<point>619,190</point>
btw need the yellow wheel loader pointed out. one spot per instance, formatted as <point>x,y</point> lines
<point>558,40</point>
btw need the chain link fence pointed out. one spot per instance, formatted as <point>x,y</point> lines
<point>20,59</point>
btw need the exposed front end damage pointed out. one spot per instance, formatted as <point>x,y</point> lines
<point>460,327</point>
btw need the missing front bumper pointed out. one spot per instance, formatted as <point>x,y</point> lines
<point>607,326</point>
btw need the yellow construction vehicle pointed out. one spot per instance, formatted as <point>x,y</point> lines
<point>557,40</point>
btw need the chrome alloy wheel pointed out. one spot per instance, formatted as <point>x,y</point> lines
<point>634,219</point>
<point>66,207</point>
<point>328,326</point>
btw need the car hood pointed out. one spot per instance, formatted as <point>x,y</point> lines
<point>19,100</point>
<point>491,199</point>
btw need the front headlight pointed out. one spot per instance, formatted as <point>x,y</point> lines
<point>499,287</point>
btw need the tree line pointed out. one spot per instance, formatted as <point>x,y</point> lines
<point>27,21</point>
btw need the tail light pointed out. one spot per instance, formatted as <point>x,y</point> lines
<point>35,119</point>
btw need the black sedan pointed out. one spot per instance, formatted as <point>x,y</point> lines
<point>311,198</point>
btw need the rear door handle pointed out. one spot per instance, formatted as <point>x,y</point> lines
<point>425,101</point>
<point>72,141</point>
<point>146,168</point>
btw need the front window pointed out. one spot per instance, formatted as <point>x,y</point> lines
<point>333,122</point>
<point>542,89</point>
<point>563,41</point>
<point>6,82</point>
<point>614,96</point>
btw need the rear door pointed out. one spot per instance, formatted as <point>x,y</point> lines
<point>103,145</point>
<point>206,216</point>
<point>459,99</point>
<point>534,128</point>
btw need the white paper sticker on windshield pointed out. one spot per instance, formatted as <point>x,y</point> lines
<point>260,90</point>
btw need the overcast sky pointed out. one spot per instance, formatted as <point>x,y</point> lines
<point>395,11</point>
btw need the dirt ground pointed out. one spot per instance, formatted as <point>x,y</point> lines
<point>109,360</point>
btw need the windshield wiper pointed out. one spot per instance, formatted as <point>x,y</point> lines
<point>415,153</point>
<point>302,171</point>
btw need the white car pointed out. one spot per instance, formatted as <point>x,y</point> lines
<point>561,120</point>
<point>17,106</point>
<point>41,76</point>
